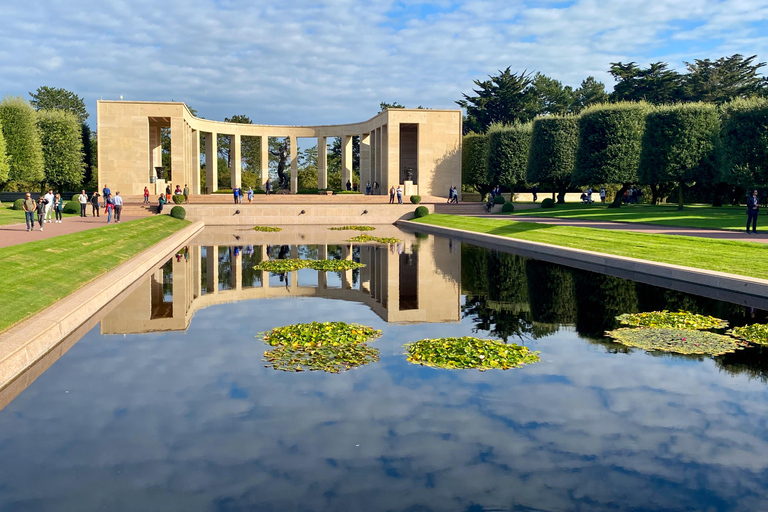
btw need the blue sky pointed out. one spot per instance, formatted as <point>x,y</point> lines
<point>327,62</point>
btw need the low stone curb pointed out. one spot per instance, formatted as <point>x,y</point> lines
<point>747,291</point>
<point>24,344</point>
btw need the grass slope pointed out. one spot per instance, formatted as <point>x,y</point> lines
<point>695,216</point>
<point>34,275</point>
<point>743,258</point>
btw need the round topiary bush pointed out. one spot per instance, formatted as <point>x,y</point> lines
<point>415,199</point>
<point>71,207</point>
<point>421,211</point>
<point>18,204</point>
<point>548,203</point>
<point>75,197</point>
<point>178,199</point>
<point>499,200</point>
<point>508,207</point>
<point>178,212</point>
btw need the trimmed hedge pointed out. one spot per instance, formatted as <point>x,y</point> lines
<point>744,133</point>
<point>554,143</point>
<point>71,207</point>
<point>421,211</point>
<point>178,198</point>
<point>548,203</point>
<point>508,207</point>
<point>18,204</point>
<point>178,212</point>
<point>508,148</point>
<point>499,200</point>
<point>415,199</point>
<point>474,162</point>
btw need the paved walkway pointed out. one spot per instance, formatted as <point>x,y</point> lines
<point>13,234</point>
<point>719,234</point>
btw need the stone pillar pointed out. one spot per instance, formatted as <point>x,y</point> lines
<point>386,178</point>
<point>196,167</point>
<point>346,280</point>
<point>365,272</point>
<point>177,150</point>
<point>237,271</point>
<point>322,162</point>
<point>195,258</point>
<point>322,277</point>
<point>264,160</point>
<point>294,165</point>
<point>212,268</point>
<point>264,273</point>
<point>365,160</point>
<point>346,160</point>
<point>211,162</point>
<point>179,287</point>
<point>379,175</point>
<point>235,164</point>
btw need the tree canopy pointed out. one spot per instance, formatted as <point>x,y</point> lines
<point>500,99</point>
<point>56,98</point>
<point>508,148</point>
<point>4,167</point>
<point>62,143</point>
<point>554,142</point>
<point>22,140</point>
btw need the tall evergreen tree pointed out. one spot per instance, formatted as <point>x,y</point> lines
<point>656,84</point>
<point>61,139</point>
<point>22,139</point>
<point>500,99</point>
<point>724,79</point>
<point>56,98</point>
<point>590,92</point>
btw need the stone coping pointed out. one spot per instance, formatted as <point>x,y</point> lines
<point>25,343</point>
<point>743,290</point>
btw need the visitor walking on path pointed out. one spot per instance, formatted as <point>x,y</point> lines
<point>186,193</point>
<point>118,206</point>
<point>450,195</point>
<point>42,206</point>
<point>58,207</point>
<point>160,203</point>
<point>368,188</point>
<point>349,186</point>
<point>29,207</point>
<point>250,194</point>
<point>455,195</point>
<point>602,195</point>
<point>83,200</point>
<point>753,205</point>
<point>392,194</point>
<point>146,195</point>
<point>167,191</point>
<point>49,206</point>
<point>267,187</point>
<point>535,192</point>
<point>236,194</point>
<point>95,204</point>
<point>104,193</point>
<point>109,205</point>
<point>399,195</point>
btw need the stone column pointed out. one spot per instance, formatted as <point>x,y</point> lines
<point>237,271</point>
<point>196,167</point>
<point>346,281</point>
<point>179,287</point>
<point>322,162</point>
<point>365,160</point>
<point>346,160</point>
<point>235,154</point>
<point>178,159</point>
<point>212,268</point>
<point>211,162</point>
<point>322,277</point>
<point>264,160</point>
<point>264,273</point>
<point>195,258</point>
<point>294,165</point>
<point>365,272</point>
<point>385,159</point>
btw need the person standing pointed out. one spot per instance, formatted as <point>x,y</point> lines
<point>83,200</point>
<point>49,206</point>
<point>535,192</point>
<point>392,194</point>
<point>250,194</point>
<point>160,203</point>
<point>236,194</point>
<point>450,195</point>
<point>368,188</point>
<point>455,195</point>
<point>753,205</point>
<point>118,206</point>
<point>240,194</point>
<point>375,187</point>
<point>58,207</point>
<point>167,192</point>
<point>29,207</point>
<point>349,186</point>
<point>602,195</point>
<point>589,195</point>
<point>41,209</point>
<point>146,195</point>
<point>105,192</point>
<point>186,193</point>
<point>399,195</point>
<point>109,205</point>
<point>267,187</point>
<point>95,204</point>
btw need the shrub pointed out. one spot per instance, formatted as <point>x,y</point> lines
<point>18,204</point>
<point>74,197</point>
<point>745,142</point>
<point>554,142</point>
<point>474,162</point>
<point>71,207</point>
<point>548,203</point>
<point>421,211</point>
<point>18,120</point>
<point>508,148</point>
<point>415,199</point>
<point>499,200</point>
<point>178,212</point>
<point>178,198</point>
<point>508,207</point>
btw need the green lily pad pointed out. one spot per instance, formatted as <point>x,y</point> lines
<point>352,228</point>
<point>268,229</point>
<point>469,352</point>
<point>667,320</point>
<point>316,334</point>
<point>678,341</point>
<point>291,265</point>
<point>326,358</point>
<point>364,239</point>
<point>755,333</point>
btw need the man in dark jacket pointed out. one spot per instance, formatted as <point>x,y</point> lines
<point>753,204</point>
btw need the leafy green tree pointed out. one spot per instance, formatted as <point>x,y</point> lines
<point>610,140</point>
<point>4,167</point>
<point>508,148</point>
<point>384,106</point>
<point>554,142</point>
<point>656,84</point>
<point>61,139</point>
<point>22,139</point>
<point>550,292</point>
<point>56,98</point>
<point>601,299</point>
<point>590,92</point>
<point>547,96</point>
<point>680,145</point>
<point>474,162</point>
<point>504,98</point>
<point>307,167</point>
<point>724,79</point>
<point>744,135</point>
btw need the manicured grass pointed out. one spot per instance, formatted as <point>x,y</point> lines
<point>10,216</point>
<point>743,258</point>
<point>694,216</point>
<point>34,275</point>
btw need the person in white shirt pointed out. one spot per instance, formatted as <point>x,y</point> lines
<point>49,206</point>
<point>118,206</point>
<point>83,200</point>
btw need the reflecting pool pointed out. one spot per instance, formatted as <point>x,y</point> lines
<point>167,404</point>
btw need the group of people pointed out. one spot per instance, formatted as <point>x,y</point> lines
<point>586,196</point>
<point>396,192</point>
<point>113,204</point>
<point>632,195</point>
<point>371,189</point>
<point>44,207</point>
<point>238,194</point>
<point>453,195</point>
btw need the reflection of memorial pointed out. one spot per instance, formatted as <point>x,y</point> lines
<point>414,281</point>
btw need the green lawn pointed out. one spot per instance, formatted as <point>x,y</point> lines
<point>34,275</point>
<point>743,258</point>
<point>694,216</point>
<point>10,216</point>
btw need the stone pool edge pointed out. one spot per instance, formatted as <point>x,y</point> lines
<point>28,342</point>
<point>734,288</point>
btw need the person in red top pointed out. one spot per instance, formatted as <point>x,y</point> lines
<point>146,195</point>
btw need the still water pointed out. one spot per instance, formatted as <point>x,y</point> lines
<point>167,404</point>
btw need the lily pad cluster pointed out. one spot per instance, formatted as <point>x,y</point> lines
<point>363,239</point>
<point>291,265</point>
<point>678,341</point>
<point>469,352</point>
<point>668,320</point>
<point>268,229</point>
<point>755,333</point>
<point>331,347</point>
<point>352,228</point>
